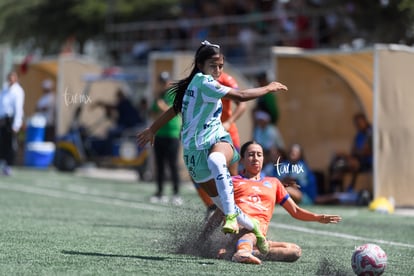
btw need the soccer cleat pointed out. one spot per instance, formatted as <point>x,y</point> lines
<point>230,225</point>
<point>261,241</point>
<point>243,256</point>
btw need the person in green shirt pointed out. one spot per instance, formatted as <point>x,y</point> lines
<point>166,145</point>
<point>267,102</point>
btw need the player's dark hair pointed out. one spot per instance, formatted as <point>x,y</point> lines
<point>203,53</point>
<point>244,147</point>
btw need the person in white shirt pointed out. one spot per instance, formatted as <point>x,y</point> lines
<point>11,120</point>
<point>46,106</point>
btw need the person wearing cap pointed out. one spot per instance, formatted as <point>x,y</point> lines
<point>11,120</point>
<point>46,105</point>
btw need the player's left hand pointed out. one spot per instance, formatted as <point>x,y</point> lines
<point>290,182</point>
<point>329,219</point>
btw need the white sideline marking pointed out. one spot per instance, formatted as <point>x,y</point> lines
<point>79,189</point>
<point>90,198</point>
<point>146,206</point>
<point>338,235</point>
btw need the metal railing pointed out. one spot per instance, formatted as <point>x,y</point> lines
<point>186,34</point>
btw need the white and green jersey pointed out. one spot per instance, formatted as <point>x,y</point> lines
<point>201,113</point>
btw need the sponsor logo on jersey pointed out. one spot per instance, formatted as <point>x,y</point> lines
<point>267,184</point>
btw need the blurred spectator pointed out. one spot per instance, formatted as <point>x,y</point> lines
<point>11,120</point>
<point>268,102</point>
<point>267,135</point>
<point>247,37</point>
<point>166,144</point>
<point>140,50</point>
<point>124,113</point>
<point>304,32</point>
<point>359,159</point>
<point>254,24</point>
<point>297,170</point>
<point>276,156</point>
<point>361,198</point>
<point>46,105</point>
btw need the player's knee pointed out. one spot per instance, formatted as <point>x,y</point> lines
<point>216,159</point>
<point>294,252</point>
<point>297,253</point>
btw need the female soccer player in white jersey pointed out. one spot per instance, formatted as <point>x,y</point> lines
<point>207,148</point>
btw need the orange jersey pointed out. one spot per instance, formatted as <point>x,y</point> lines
<point>227,80</point>
<point>257,199</point>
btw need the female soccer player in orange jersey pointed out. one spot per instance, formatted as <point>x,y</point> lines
<point>256,196</point>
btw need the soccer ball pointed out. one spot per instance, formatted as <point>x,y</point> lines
<point>369,259</point>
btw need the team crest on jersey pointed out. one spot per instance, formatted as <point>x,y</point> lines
<point>267,184</point>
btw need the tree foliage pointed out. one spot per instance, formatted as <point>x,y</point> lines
<point>384,21</point>
<point>48,23</point>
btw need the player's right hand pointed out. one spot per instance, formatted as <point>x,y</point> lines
<point>275,86</point>
<point>145,136</point>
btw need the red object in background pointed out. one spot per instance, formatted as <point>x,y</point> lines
<point>110,71</point>
<point>24,66</point>
<point>306,42</point>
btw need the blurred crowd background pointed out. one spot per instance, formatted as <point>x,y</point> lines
<point>124,32</point>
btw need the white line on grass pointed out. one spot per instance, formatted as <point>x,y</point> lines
<point>145,206</point>
<point>81,189</point>
<point>338,235</point>
<point>83,197</point>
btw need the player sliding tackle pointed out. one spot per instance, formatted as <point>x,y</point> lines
<point>207,148</point>
<point>256,196</point>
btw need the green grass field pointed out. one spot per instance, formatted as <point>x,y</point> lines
<point>62,224</point>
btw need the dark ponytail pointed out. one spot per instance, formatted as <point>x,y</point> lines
<point>204,52</point>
